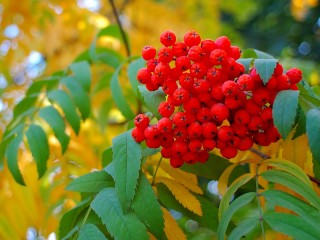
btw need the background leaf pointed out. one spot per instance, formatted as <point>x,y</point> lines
<point>38,144</point>
<point>171,228</point>
<point>285,110</point>
<point>133,68</point>
<point>313,132</point>
<point>82,73</point>
<point>127,161</point>
<point>90,231</point>
<point>265,68</point>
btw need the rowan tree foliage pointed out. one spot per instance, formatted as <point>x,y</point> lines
<point>180,135</point>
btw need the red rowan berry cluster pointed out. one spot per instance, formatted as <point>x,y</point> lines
<point>211,102</point>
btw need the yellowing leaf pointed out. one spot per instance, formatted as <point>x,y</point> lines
<point>182,194</point>
<point>295,150</point>
<point>188,180</point>
<point>171,227</point>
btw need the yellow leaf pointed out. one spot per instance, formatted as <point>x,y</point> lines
<point>182,194</point>
<point>188,180</point>
<point>171,227</point>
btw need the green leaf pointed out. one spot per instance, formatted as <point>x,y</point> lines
<point>118,96</point>
<point>152,99</point>
<point>147,208</point>
<point>107,156</point>
<point>283,199</point>
<point>54,119</point>
<point>307,98</point>
<point>102,83</point>
<point>313,132</point>
<point>82,74</point>
<point>133,68</point>
<point>293,183</point>
<point>291,225</point>
<point>265,68</point>
<point>246,62</point>
<point>110,168</point>
<point>243,228</point>
<point>263,55</point>
<point>24,105</point>
<point>249,53</point>
<point>90,231</point>
<point>65,102</point>
<point>39,147</point>
<point>42,84</point>
<point>285,111</point>
<point>91,182</point>
<point>121,226</point>
<point>228,213</point>
<point>103,113</point>
<point>301,124</point>
<point>112,31</point>
<point>80,97</point>
<point>71,218</point>
<point>240,181</point>
<point>71,234</point>
<point>107,56</point>
<point>127,161</point>
<point>12,159</point>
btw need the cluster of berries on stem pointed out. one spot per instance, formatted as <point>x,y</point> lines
<point>210,101</point>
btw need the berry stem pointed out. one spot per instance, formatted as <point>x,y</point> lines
<point>123,35</point>
<point>155,173</point>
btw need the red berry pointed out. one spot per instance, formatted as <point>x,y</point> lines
<point>218,57</point>
<point>165,55</point>
<point>148,52</point>
<point>229,152</point>
<point>180,133</point>
<point>266,115</point>
<point>223,42</point>
<point>272,134</point>
<point>278,70</point>
<point>192,105</point>
<point>168,38</point>
<point>255,123</point>
<point>216,92</point>
<point>261,96</point>
<point>195,53</point>
<point>176,162</point>
<point>186,81</point>
<point>214,75</point>
<point>208,46</point>
<point>229,88</point>
<point>151,64</point>
<point>181,95</point>
<point>151,132</point>
<point>252,108</point>
<point>235,101</point>
<point>242,117</point>
<point>192,38</point>
<point>225,133</point>
<point>209,129</point>
<point>245,143</point>
<point>283,82</point>
<point>195,145</point>
<point>201,85</point>
<point>272,83</point>
<point>239,129</point>
<point>166,152</point>
<point>194,130</point>
<point>141,121</point>
<point>166,139</point>
<point>162,70</point>
<point>164,125</point>
<point>169,86</point>
<point>179,49</point>
<point>153,142</point>
<point>166,109</point>
<point>198,70</point>
<point>202,156</point>
<point>219,112</point>
<point>179,148</point>
<point>245,82</point>
<point>179,119</point>
<point>190,157</point>
<point>138,134</point>
<point>143,75</point>
<point>234,52</point>
<point>294,75</point>
<point>204,115</point>
<point>183,63</point>
<point>208,144</point>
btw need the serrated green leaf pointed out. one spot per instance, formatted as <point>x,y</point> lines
<point>91,182</point>
<point>42,84</point>
<point>82,73</point>
<point>121,226</point>
<point>118,96</point>
<point>152,99</point>
<point>263,55</point>
<point>294,184</point>
<point>147,208</point>
<point>283,199</point>
<point>54,119</point>
<point>249,53</point>
<point>71,218</point>
<point>301,124</point>
<point>265,68</point>
<point>80,97</point>
<point>12,159</point>
<point>110,168</point>
<point>39,147</point>
<point>240,181</point>
<point>244,228</point>
<point>291,225</point>
<point>285,111</point>
<point>133,68</point>
<point>24,105</point>
<point>313,132</point>
<point>90,231</point>
<point>246,62</point>
<point>107,56</point>
<point>228,213</point>
<point>127,161</point>
<point>65,102</point>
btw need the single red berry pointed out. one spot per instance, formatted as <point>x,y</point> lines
<point>219,112</point>
<point>166,139</point>
<point>294,75</point>
<point>192,105</point>
<point>151,64</point>
<point>165,55</point>
<point>261,96</point>
<point>221,144</point>
<point>143,75</point>
<point>272,83</point>
<point>283,82</point>
<point>168,38</point>
<point>166,152</point>
<point>208,45</point>
<point>153,142</point>
<point>216,92</point>
<point>186,81</point>
<point>181,95</point>
<point>204,98</point>
<point>169,86</point>
<point>234,52</point>
<point>204,115</point>
<point>278,70</point>
<point>194,130</point>
<point>261,139</point>
<point>201,85</point>
<point>252,108</point>
<point>234,142</point>
<point>151,132</point>
<point>266,115</point>
<point>195,53</point>
<point>179,148</point>
<point>183,63</point>
<point>151,86</point>
<point>242,117</point>
<point>164,125</point>
<point>239,129</point>
<point>229,152</point>
<point>162,70</point>
<point>180,133</point>
<point>235,101</point>
<point>138,134</point>
<point>192,38</point>
<point>218,57</point>
<point>190,157</point>
<point>272,134</point>
<point>245,143</point>
<point>179,49</point>
<point>245,82</point>
<point>203,156</point>
<point>255,123</point>
<point>180,119</point>
<point>198,70</point>
<point>195,145</point>
<point>148,52</point>
<point>223,42</point>
<point>215,75</point>
<point>208,144</point>
<point>166,109</point>
<point>229,88</point>
<point>176,162</point>
<point>141,121</point>
<point>225,133</point>
<point>209,130</point>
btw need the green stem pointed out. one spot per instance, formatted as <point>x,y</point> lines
<point>258,199</point>
<point>123,35</point>
<point>86,217</point>
<point>155,173</point>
